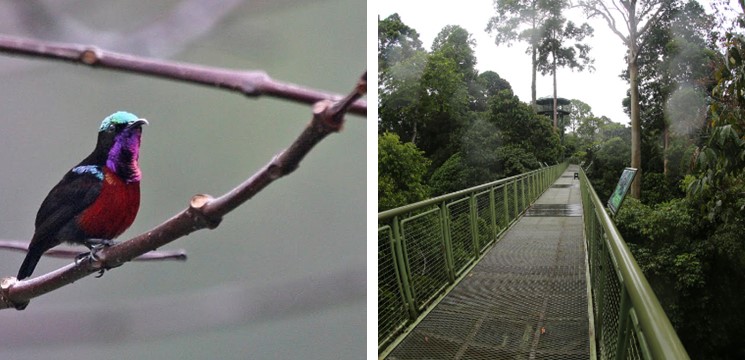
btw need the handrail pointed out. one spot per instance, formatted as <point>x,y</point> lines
<point>639,310</point>
<point>426,247</point>
<point>436,200</point>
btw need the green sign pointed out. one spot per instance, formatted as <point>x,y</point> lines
<point>624,183</point>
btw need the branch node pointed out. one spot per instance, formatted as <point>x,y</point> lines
<point>197,204</point>
<point>323,111</point>
<point>276,168</point>
<point>90,56</point>
<point>6,284</point>
<point>254,82</point>
<point>361,88</point>
<point>199,200</point>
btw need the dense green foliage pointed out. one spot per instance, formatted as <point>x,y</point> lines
<point>401,170</point>
<point>469,126</point>
<point>675,76</point>
<point>687,232</point>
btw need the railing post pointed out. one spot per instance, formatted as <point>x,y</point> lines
<point>517,203</point>
<point>532,186</point>
<point>447,242</point>
<point>493,217</point>
<point>622,344</point>
<point>600,270</point>
<point>544,176</point>
<point>525,203</point>
<point>474,224</point>
<point>403,266</point>
<point>506,205</point>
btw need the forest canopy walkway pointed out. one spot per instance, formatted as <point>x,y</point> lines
<point>503,271</point>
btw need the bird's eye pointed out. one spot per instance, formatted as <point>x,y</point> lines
<point>112,128</point>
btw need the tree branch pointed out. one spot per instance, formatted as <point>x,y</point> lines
<point>592,10</point>
<point>624,15</point>
<point>249,83</point>
<point>203,211</point>
<point>70,253</point>
<point>652,20</point>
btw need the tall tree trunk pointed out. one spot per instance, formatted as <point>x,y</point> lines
<point>665,147</point>
<point>636,128</point>
<point>532,84</point>
<point>556,101</point>
<point>636,139</point>
<point>534,57</point>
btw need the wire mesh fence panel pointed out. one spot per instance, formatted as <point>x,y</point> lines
<point>611,306</point>
<point>485,224</point>
<point>520,198</point>
<point>424,249</point>
<point>461,238</point>
<point>392,313</point>
<point>634,351</point>
<point>500,208</point>
<point>511,196</point>
<point>597,274</point>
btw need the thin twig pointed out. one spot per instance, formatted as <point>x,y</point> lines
<point>249,83</point>
<point>203,211</point>
<point>71,253</point>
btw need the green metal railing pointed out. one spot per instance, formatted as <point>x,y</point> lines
<point>628,319</point>
<point>424,248</point>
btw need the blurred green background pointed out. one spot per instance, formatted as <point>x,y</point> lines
<point>305,231</point>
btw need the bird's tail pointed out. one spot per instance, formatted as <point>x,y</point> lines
<point>29,263</point>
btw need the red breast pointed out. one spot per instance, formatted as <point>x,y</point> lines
<point>113,211</point>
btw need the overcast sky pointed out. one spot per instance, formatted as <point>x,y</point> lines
<point>602,89</point>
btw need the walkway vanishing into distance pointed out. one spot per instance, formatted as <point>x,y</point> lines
<point>527,298</point>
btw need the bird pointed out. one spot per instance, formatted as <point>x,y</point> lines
<point>98,199</point>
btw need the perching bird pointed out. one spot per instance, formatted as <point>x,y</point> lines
<point>97,199</point>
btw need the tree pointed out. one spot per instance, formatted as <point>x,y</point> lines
<point>578,110</point>
<point>451,176</point>
<point>519,125</point>
<point>675,76</point>
<point>396,42</point>
<point>399,107</point>
<point>425,97</point>
<point>443,105</point>
<point>518,20</point>
<point>487,84</point>
<point>401,61</point>
<point>609,160</point>
<point>401,171</point>
<point>556,33</point>
<point>455,43</point>
<point>637,17</point>
<point>720,165</point>
<point>493,83</point>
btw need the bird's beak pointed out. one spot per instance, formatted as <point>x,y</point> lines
<point>137,123</point>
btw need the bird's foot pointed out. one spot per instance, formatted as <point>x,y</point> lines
<point>98,244</point>
<point>95,245</point>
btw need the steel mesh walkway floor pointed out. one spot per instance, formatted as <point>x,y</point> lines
<point>526,299</point>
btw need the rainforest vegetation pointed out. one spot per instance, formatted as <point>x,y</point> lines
<point>443,126</point>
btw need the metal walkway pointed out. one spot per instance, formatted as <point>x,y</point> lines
<point>526,298</point>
